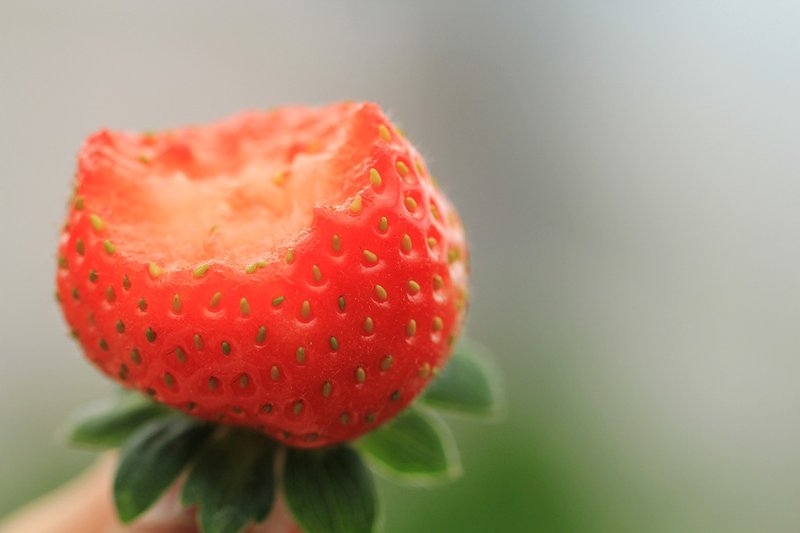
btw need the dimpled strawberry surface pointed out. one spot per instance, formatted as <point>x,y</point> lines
<point>296,271</point>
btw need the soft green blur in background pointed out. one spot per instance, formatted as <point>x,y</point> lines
<point>629,176</point>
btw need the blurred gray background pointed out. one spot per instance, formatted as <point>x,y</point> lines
<point>628,174</point>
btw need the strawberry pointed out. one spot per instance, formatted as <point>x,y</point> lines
<point>296,271</point>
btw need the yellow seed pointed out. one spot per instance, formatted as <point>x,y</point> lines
<point>244,380</point>
<point>279,178</point>
<point>305,309</point>
<point>402,169</point>
<point>356,205</point>
<point>375,178</point>
<point>383,224</point>
<point>198,341</point>
<point>425,370</point>
<point>432,242</point>
<point>154,270</point>
<point>289,255</point>
<point>78,203</point>
<point>370,257</point>
<point>406,242</point>
<point>300,355</point>
<point>418,165</point>
<point>97,222</point>
<point>383,131</point>
<point>327,388</point>
<point>200,271</point>
<point>79,247</point>
<point>316,273</point>
<point>453,254</point>
<point>213,383</point>
<point>438,323</point>
<point>411,327</point>
<point>413,287</point>
<point>177,304</point>
<point>278,301</point>
<point>438,282</point>
<point>110,248</point>
<point>244,306</point>
<point>386,363</point>
<point>275,373</point>
<point>336,243</point>
<point>255,266</point>
<point>435,212</point>
<point>215,300</point>
<point>297,407</point>
<point>361,375</point>
<point>411,204</point>
<point>369,324</point>
<point>261,335</point>
<point>380,292</point>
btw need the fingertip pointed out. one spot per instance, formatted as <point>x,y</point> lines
<point>81,506</point>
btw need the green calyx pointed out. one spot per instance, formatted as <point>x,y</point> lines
<point>230,473</point>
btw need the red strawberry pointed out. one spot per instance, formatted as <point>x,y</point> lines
<point>295,271</point>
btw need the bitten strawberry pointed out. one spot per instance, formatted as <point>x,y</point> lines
<point>295,271</point>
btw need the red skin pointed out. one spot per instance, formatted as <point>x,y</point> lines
<point>241,401</point>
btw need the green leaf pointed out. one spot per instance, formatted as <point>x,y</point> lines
<point>152,460</point>
<point>109,422</point>
<point>468,384</point>
<point>416,447</point>
<point>330,490</point>
<point>232,481</point>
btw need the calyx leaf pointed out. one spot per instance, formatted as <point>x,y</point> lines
<point>416,448</point>
<point>109,422</point>
<point>232,471</point>
<point>152,460</point>
<point>232,481</point>
<point>467,384</point>
<point>330,490</point>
